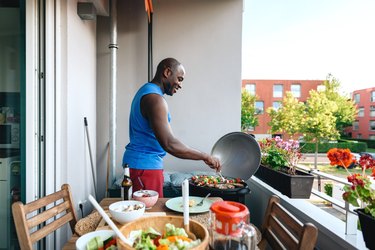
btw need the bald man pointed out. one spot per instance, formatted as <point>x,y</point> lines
<point>150,133</point>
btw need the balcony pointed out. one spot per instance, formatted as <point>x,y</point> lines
<point>333,232</point>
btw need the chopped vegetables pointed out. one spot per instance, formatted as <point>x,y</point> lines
<point>217,182</point>
<point>173,238</point>
<point>128,208</point>
<point>97,243</point>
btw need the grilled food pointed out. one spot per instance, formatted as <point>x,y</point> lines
<point>216,182</point>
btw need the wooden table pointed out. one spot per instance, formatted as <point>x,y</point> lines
<point>158,207</point>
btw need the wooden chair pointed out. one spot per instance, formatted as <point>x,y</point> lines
<point>40,215</point>
<point>281,230</point>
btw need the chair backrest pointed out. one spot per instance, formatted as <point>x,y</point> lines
<point>34,216</point>
<point>281,230</point>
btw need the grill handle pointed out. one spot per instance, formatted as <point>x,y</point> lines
<point>245,190</point>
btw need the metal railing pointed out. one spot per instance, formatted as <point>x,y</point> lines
<point>351,217</point>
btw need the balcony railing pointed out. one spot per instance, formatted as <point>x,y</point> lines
<point>351,218</point>
<point>333,232</point>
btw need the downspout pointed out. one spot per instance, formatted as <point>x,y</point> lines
<point>113,88</point>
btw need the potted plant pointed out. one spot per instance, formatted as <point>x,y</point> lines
<point>278,168</point>
<point>361,193</point>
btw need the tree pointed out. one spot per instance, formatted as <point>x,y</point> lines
<point>346,110</point>
<point>328,113</point>
<point>287,119</point>
<point>320,122</point>
<point>248,117</point>
<point>323,116</point>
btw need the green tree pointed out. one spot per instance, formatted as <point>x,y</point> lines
<point>328,113</point>
<point>323,116</point>
<point>320,122</point>
<point>345,111</point>
<point>287,119</point>
<point>248,117</point>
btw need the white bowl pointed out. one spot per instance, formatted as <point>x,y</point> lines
<point>82,241</point>
<point>118,214</point>
<point>148,197</point>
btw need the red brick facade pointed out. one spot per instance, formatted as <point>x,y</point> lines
<point>264,90</point>
<point>364,124</point>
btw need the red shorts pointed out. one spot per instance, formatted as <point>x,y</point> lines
<point>151,180</point>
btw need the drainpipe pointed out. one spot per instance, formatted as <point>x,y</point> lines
<point>113,88</point>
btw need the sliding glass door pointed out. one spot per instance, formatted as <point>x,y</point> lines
<point>12,98</point>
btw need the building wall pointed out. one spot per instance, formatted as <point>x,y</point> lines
<point>264,92</point>
<point>364,130</point>
<point>206,37</point>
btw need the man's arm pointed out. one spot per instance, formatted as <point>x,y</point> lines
<point>155,110</point>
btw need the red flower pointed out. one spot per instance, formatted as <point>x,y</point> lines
<point>366,161</point>
<point>340,157</point>
<point>361,191</point>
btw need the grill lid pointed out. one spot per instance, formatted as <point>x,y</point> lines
<point>239,154</point>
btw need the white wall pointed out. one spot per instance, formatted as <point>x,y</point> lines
<point>70,78</point>
<point>81,101</point>
<point>206,37</point>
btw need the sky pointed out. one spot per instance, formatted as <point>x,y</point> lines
<point>309,39</point>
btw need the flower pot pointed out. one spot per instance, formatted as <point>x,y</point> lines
<point>294,186</point>
<point>368,228</point>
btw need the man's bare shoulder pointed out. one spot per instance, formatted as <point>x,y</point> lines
<point>153,104</point>
<point>153,99</point>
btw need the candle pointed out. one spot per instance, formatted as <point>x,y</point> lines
<point>185,198</point>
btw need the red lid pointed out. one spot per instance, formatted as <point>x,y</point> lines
<point>228,214</point>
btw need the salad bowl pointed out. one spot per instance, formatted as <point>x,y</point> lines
<point>158,223</point>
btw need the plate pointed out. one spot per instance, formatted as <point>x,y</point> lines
<point>176,204</point>
<point>239,154</point>
<point>81,243</point>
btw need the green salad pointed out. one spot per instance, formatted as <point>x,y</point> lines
<point>173,238</point>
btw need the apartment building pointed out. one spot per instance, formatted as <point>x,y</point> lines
<point>364,124</point>
<point>270,93</point>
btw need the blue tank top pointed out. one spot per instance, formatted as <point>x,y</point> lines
<point>144,150</point>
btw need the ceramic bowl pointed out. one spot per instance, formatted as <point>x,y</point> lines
<point>81,243</point>
<point>126,211</point>
<point>148,197</point>
<point>158,223</point>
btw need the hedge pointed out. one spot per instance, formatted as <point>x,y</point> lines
<point>355,147</point>
<point>370,143</point>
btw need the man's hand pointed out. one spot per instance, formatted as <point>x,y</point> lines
<point>213,163</point>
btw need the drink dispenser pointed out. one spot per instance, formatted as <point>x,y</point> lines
<point>229,227</point>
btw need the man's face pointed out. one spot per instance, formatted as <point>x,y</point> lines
<point>174,80</point>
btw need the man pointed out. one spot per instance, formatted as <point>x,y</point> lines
<point>150,133</point>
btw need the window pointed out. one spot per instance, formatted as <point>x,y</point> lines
<point>372,125</point>
<point>359,136</point>
<point>371,137</point>
<point>259,107</point>
<point>373,96</point>
<point>296,90</point>
<point>355,125</point>
<point>357,98</point>
<point>276,105</point>
<point>361,112</point>
<point>278,90</point>
<point>250,87</point>
<point>372,111</point>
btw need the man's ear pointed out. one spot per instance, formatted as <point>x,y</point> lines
<point>167,72</point>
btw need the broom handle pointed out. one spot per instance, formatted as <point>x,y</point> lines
<point>92,165</point>
<point>108,161</point>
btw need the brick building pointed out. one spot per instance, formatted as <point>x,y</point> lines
<point>270,93</point>
<point>364,124</point>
